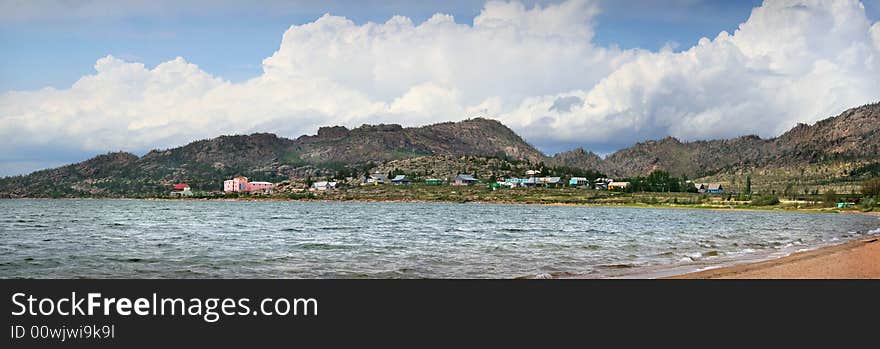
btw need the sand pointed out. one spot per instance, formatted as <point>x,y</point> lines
<point>858,259</point>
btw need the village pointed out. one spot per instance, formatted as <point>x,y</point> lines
<point>242,185</point>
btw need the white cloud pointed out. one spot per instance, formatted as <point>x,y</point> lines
<point>536,69</point>
<point>792,61</point>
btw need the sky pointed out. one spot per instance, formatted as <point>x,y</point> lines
<point>83,77</point>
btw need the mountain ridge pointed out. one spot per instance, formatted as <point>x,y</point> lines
<point>842,144</point>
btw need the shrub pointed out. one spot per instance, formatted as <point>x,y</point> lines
<point>871,187</point>
<point>869,204</point>
<point>766,200</point>
<point>829,198</point>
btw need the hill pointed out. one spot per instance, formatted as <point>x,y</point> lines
<point>206,163</point>
<point>833,152</point>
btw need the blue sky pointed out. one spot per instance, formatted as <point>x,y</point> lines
<point>284,67</point>
<point>231,40</point>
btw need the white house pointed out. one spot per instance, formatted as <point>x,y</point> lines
<point>323,186</point>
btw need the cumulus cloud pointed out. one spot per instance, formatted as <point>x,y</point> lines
<point>792,61</point>
<point>536,69</point>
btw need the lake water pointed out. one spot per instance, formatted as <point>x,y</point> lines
<point>238,239</point>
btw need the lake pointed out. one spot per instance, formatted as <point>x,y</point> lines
<point>88,238</point>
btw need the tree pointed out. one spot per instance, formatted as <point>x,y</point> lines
<point>789,190</point>
<point>748,185</point>
<point>829,198</point>
<point>871,187</point>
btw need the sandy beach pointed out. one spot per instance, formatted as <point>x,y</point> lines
<point>858,259</point>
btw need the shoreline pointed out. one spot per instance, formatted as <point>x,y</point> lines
<point>501,202</point>
<point>854,259</point>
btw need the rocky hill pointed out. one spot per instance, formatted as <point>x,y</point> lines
<point>205,164</point>
<point>379,143</point>
<point>579,158</point>
<point>852,137</point>
<point>841,148</point>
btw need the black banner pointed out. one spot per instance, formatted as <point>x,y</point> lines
<point>335,312</point>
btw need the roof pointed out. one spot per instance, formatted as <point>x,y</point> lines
<point>399,178</point>
<point>181,186</point>
<point>553,179</point>
<point>618,184</point>
<point>465,178</point>
<point>578,178</point>
<point>714,186</point>
<point>260,183</point>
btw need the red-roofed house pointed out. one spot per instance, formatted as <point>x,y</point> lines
<point>181,189</point>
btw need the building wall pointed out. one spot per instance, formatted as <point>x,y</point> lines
<point>241,184</point>
<point>259,186</point>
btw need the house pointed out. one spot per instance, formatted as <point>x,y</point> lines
<point>375,179</point>
<point>323,186</point>
<point>550,182</point>
<point>400,180</point>
<point>240,184</point>
<point>579,181</point>
<point>433,181</point>
<point>464,179</point>
<point>532,173</point>
<point>602,183</point>
<point>715,188</point>
<point>710,188</point>
<point>521,182</point>
<point>618,185</point>
<point>237,184</point>
<point>264,187</point>
<point>180,190</point>
<point>507,184</point>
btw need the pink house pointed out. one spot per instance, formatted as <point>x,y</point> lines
<point>240,184</point>
<point>237,184</point>
<point>260,186</point>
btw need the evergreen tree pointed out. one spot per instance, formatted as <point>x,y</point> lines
<point>748,185</point>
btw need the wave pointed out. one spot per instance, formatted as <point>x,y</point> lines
<point>321,246</point>
<point>618,266</point>
<point>551,275</point>
<point>695,256</point>
<point>127,260</point>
